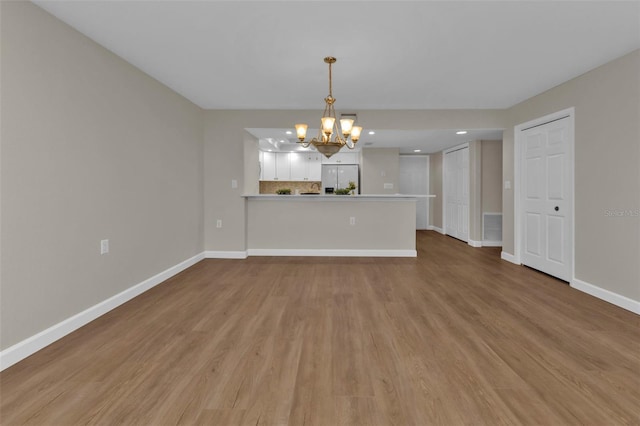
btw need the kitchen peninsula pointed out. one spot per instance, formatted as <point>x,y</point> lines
<point>331,225</point>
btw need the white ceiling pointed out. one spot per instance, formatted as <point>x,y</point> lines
<point>391,54</point>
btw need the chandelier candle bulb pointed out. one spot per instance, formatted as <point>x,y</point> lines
<point>327,125</point>
<point>346,124</point>
<point>355,133</point>
<point>301,131</point>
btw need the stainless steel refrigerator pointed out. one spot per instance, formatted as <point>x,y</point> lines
<point>336,176</point>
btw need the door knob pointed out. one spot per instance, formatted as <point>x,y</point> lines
<point>556,208</point>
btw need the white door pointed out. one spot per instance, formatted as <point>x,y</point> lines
<point>546,185</point>
<point>456,176</point>
<point>414,180</point>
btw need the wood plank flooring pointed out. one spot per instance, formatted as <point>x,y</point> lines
<point>456,336</point>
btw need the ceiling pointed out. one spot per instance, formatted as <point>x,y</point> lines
<point>427,141</point>
<point>391,54</point>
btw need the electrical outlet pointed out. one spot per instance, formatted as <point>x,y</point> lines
<point>388,186</point>
<point>219,223</point>
<point>104,246</point>
<point>507,184</point>
<point>352,220</point>
<point>234,183</point>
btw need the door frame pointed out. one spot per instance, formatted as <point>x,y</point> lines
<point>444,186</point>
<point>518,228</point>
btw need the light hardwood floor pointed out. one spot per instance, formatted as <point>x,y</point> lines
<point>456,336</point>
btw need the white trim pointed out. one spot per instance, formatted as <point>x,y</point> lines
<point>31,345</point>
<point>509,257</point>
<point>435,228</point>
<point>473,243</point>
<point>212,254</point>
<point>486,243</point>
<point>606,295</point>
<point>518,231</point>
<point>332,252</point>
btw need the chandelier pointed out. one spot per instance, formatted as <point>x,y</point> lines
<point>330,139</point>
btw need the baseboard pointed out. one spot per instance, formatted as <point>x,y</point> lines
<point>606,295</point>
<point>331,252</point>
<point>509,257</point>
<point>473,243</point>
<point>225,254</point>
<point>435,228</point>
<point>491,243</point>
<point>31,345</point>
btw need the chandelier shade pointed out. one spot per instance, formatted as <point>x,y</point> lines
<point>330,139</point>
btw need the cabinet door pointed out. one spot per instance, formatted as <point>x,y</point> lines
<point>299,165</point>
<point>314,163</point>
<point>268,166</point>
<point>342,158</point>
<point>283,169</point>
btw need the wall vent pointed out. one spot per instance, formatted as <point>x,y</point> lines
<point>492,227</point>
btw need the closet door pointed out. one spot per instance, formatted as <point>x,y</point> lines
<point>456,175</point>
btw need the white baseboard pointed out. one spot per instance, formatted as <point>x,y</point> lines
<point>225,254</point>
<point>491,243</point>
<point>473,243</point>
<point>32,344</point>
<point>606,295</point>
<point>435,228</point>
<point>331,252</point>
<point>509,257</point>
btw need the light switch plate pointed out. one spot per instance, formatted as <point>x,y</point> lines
<point>507,184</point>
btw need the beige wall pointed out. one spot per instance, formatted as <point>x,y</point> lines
<point>92,149</point>
<point>435,188</point>
<point>377,167</point>
<point>492,176</point>
<point>296,223</point>
<point>607,170</point>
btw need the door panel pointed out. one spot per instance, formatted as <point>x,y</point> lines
<point>545,200</point>
<point>457,186</point>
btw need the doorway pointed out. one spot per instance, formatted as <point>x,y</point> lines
<point>414,180</point>
<point>544,213</point>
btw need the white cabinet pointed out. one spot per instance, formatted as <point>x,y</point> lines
<point>294,166</point>
<point>299,166</point>
<point>275,166</point>
<point>342,158</point>
<point>315,166</point>
<point>268,166</point>
<point>283,166</point>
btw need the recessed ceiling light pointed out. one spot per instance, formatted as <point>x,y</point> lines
<point>269,150</point>
<point>372,132</point>
<point>461,132</point>
<point>289,132</point>
<point>282,140</point>
<point>417,150</point>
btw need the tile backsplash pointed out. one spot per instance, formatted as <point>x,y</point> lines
<point>271,186</point>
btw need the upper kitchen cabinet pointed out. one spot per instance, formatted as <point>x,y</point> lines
<point>305,166</point>
<point>275,166</point>
<point>342,158</point>
<point>294,166</point>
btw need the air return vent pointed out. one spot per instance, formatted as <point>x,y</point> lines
<point>491,228</point>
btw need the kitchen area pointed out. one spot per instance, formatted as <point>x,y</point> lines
<point>308,172</point>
